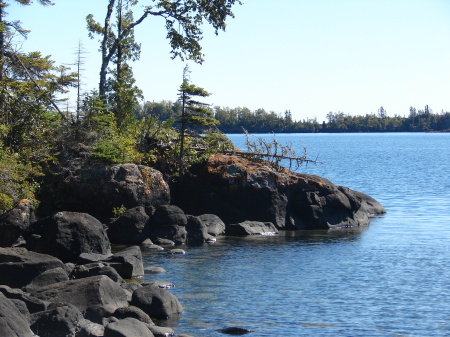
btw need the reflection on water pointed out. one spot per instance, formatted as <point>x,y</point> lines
<point>390,278</point>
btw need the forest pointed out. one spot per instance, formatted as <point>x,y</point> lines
<point>235,120</point>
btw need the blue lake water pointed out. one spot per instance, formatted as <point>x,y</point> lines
<point>391,278</point>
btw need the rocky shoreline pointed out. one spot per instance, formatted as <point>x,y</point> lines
<point>59,277</point>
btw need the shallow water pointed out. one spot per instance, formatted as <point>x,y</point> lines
<point>390,278</point>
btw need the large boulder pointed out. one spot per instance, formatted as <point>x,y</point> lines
<point>251,228</point>
<point>156,302</point>
<point>64,320</point>
<point>66,235</point>
<point>14,222</point>
<point>215,226</point>
<point>12,322</point>
<point>48,277</point>
<point>32,303</point>
<point>98,189</point>
<point>95,291</point>
<point>236,190</point>
<point>169,222</point>
<point>128,327</point>
<point>18,266</point>
<point>197,231</point>
<point>132,227</point>
<point>127,262</point>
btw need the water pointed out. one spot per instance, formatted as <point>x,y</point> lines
<point>391,278</point>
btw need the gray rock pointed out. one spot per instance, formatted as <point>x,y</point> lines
<point>159,331</point>
<point>95,269</point>
<point>169,222</point>
<point>251,228</point>
<point>86,292</point>
<point>47,277</point>
<point>156,302</point>
<point>85,258</point>
<point>176,251</point>
<point>214,224</point>
<point>127,262</point>
<point>133,312</point>
<point>33,304</point>
<point>91,329</point>
<point>18,266</point>
<point>63,320</point>
<point>197,231</point>
<point>154,270</point>
<point>12,322</point>
<point>14,222</point>
<point>132,227</point>
<point>66,235</point>
<point>128,327</point>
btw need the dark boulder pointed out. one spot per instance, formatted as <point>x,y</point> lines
<point>127,262</point>
<point>237,331</point>
<point>251,228</point>
<point>66,235</point>
<point>156,302</point>
<point>32,303</point>
<point>197,231</point>
<point>133,312</point>
<point>18,266</point>
<point>213,223</point>
<point>236,190</point>
<point>95,269</point>
<point>14,222</point>
<point>64,320</point>
<point>50,276</point>
<point>12,322</point>
<point>132,227</point>
<point>98,189</point>
<point>86,292</point>
<point>128,327</point>
<point>169,222</point>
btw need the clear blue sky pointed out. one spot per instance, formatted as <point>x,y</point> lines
<point>308,56</point>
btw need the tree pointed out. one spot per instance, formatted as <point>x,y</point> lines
<point>183,19</point>
<point>194,114</point>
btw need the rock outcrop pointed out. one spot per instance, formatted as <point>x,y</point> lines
<point>98,189</point>
<point>237,190</point>
<point>16,221</point>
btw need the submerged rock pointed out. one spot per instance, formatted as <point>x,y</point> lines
<point>236,190</point>
<point>251,228</point>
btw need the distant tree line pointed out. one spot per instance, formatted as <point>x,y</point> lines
<point>234,120</point>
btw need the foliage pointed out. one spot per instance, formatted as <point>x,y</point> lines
<point>118,211</point>
<point>195,116</point>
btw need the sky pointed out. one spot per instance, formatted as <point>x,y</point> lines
<point>311,57</point>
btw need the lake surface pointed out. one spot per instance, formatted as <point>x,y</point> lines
<point>391,278</point>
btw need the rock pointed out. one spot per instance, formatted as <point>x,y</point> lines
<point>47,277</point>
<point>95,269</point>
<point>127,262</point>
<point>214,224</point>
<point>132,227</point>
<point>197,231</point>
<point>169,222</point>
<point>156,302</point>
<point>18,266</point>
<point>236,190</point>
<point>85,258</point>
<point>164,242</point>
<point>32,303</point>
<point>12,322</point>
<point>91,329</point>
<point>251,228</point>
<point>128,327</point>
<point>176,251</point>
<point>159,331</point>
<point>133,312</point>
<point>63,320</point>
<point>98,189</point>
<point>234,331</point>
<point>66,235</point>
<point>86,292</point>
<point>14,222</point>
